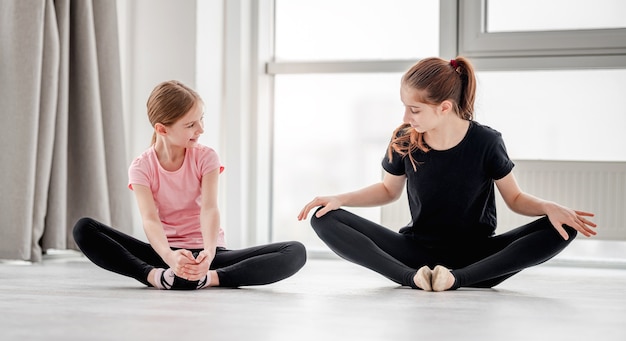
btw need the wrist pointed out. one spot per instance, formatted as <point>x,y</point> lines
<point>167,256</point>
<point>548,207</point>
<point>210,250</point>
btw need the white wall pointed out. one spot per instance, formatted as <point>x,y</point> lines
<point>158,43</point>
<point>187,40</point>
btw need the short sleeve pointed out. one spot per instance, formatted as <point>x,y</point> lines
<point>498,163</point>
<point>208,161</point>
<point>395,164</point>
<point>138,173</point>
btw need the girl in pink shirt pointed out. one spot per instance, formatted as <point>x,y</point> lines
<point>175,183</point>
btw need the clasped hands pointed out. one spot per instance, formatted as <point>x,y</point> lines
<point>188,267</point>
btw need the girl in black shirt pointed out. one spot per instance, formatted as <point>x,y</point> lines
<point>450,164</point>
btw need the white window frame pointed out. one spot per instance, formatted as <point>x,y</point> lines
<point>572,49</point>
<point>447,49</point>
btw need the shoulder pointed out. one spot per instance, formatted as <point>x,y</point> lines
<point>205,158</point>
<point>144,159</point>
<point>143,168</point>
<point>484,135</point>
<point>201,151</point>
<point>484,131</point>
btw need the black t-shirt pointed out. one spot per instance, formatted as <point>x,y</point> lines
<point>451,195</point>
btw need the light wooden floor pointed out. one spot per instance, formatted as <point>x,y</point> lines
<point>71,299</point>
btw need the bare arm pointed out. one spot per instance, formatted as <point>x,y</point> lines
<point>209,212</point>
<point>526,204</point>
<point>151,222</point>
<point>377,194</point>
<point>155,234</point>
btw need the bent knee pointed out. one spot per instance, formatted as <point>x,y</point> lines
<point>81,228</point>
<point>295,252</point>
<point>298,252</point>
<point>571,232</point>
<point>326,219</point>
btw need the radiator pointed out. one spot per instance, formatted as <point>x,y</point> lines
<point>598,187</point>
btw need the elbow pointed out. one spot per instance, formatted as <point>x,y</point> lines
<point>393,195</point>
<point>513,202</point>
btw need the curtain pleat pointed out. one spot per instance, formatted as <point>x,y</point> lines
<point>48,88</point>
<point>21,39</point>
<point>107,46</point>
<point>56,210</point>
<point>64,157</point>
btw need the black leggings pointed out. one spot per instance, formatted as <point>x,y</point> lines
<point>480,263</point>
<point>125,255</point>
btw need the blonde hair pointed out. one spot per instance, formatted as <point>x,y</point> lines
<point>437,80</point>
<point>168,102</point>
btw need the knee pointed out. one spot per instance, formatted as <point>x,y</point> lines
<point>571,232</point>
<point>319,223</point>
<point>293,257</point>
<point>81,229</point>
<point>298,252</point>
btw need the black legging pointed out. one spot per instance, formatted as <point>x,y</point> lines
<point>125,255</point>
<point>481,263</point>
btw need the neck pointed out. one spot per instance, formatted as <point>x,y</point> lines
<point>450,133</point>
<point>170,157</point>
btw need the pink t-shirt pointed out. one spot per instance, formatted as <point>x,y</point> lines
<point>177,194</point>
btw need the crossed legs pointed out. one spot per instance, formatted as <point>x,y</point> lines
<point>483,263</point>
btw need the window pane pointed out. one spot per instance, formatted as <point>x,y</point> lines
<point>556,115</point>
<point>554,15</point>
<point>330,135</point>
<point>356,29</point>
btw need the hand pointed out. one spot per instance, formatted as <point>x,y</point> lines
<point>178,260</point>
<point>560,216</point>
<point>200,267</point>
<point>329,203</point>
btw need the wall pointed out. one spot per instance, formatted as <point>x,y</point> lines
<point>185,40</point>
<point>158,43</point>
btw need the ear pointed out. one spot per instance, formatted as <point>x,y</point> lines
<point>160,129</point>
<point>446,106</point>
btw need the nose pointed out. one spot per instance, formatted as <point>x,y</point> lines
<point>201,128</point>
<point>405,117</point>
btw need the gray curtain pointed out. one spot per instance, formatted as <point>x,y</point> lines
<point>62,145</point>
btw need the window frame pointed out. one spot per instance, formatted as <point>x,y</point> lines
<point>571,49</point>
<point>447,47</point>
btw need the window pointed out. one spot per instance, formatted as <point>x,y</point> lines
<point>331,133</point>
<point>355,29</point>
<point>497,40</point>
<point>326,103</point>
<point>556,115</point>
<point>553,15</point>
<point>337,76</point>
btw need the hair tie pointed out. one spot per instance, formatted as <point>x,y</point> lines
<point>454,63</point>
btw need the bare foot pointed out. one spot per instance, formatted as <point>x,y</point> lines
<point>443,279</point>
<point>423,278</point>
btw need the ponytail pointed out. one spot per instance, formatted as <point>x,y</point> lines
<point>467,94</point>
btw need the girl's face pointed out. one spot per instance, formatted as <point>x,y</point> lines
<point>421,116</point>
<point>186,131</point>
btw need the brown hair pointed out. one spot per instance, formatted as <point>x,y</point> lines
<point>168,102</point>
<point>438,80</point>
